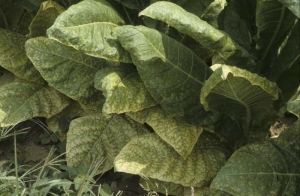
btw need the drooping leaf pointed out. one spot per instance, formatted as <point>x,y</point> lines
<point>180,135</point>
<point>13,56</point>
<point>123,89</point>
<point>201,31</point>
<point>294,106</point>
<point>171,72</point>
<point>167,188</point>
<point>66,69</point>
<point>289,55</point>
<point>44,18</point>
<point>59,123</point>
<point>293,5</point>
<point>94,136</point>
<point>87,26</point>
<point>21,100</point>
<point>149,156</point>
<point>239,94</point>
<point>274,22</point>
<point>264,168</point>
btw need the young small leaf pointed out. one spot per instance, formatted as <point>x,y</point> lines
<point>94,136</point>
<point>87,26</point>
<point>123,89</point>
<point>149,156</point>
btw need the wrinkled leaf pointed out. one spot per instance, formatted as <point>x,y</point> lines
<point>66,69</point>
<point>171,72</point>
<point>22,100</point>
<point>123,89</point>
<point>180,135</point>
<point>274,22</point>
<point>59,123</point>
<point>149,156</point>
<point>167,188</point>
<point>293,5</point>
<point>201,31</point>
<point>44,18</point>
<point>264,168</point>
<point>94,136</point>
<point>13,56</point>
<point>239,94</point>
<point>87,26</point>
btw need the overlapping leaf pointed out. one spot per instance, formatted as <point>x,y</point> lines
<point>44,18</point>
<point>149,156</point>
<point>294,106</point>
<point>274,22</point>
<point>66,69</point>
<point>239,94</point>
<point>87,26</point>
<point>123,89</point>
<point>293,5</point>
<point>180,135</point>
<point>274,168</point>
<point>171,72</point>
<point>21,100</point>
<point>201,31</point>
<point>13,56</point>
<point>98,136</point>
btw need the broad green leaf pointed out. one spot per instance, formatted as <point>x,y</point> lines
<point>59,123</point>
<point>123,89</point>
<point>167,188</point>
<point>171,72</point>
<point>149,156</point>
<point>13,57</point>
<point>289,55</point>
<point>45,17</point>
<point>203,191</point>
<point>201,31</point>
<point>274,22</point>
<point>21,100</point>
<point>134,4</point>
<point>293,5</point>
<point>94,136</point>
<point>177,133</point>
<point>239,94</point>
<point>66,69</point>
<point>87,26</point>
<point>264,168</point>
<point>294,106</point>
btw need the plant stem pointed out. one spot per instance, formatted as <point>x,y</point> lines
<point>247,124</point>
<point>16,163</point>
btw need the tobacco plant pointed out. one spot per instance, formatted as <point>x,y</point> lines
<point>182,93</point>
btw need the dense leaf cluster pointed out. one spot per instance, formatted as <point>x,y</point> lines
<point>176,92</point>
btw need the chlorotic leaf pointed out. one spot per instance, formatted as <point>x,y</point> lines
<point>123,89</point>
<point>94,136</point>
<point>167,188</point>
<point>21,100</point>
<point>45,17</point>
<point>293,5</point>
<point>274,22</point>
<point>171,72</point>
<point>264,168</point>
<point>59,123</point>
<point>201,31</point>
<point>66,69</point>
<point>239,93</point>
<point>149,156</point>
<point>177,133</point>
<point>13,57</point>
<point>87,26</point>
